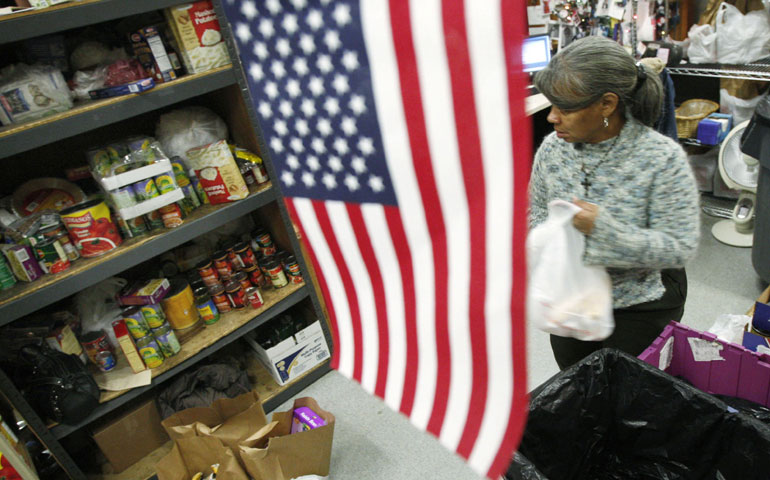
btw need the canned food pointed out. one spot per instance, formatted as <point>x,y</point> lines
<point>207,309</point>
<point>150,351</point>
<point>98,350</point>
<point>235,294</point>
<point>260,172</point>
<point>154,220</point>
<point>154,315</point>
<point>245,254</point>
<point>58,232</point>
<point>145,189</point>
<point>207,272</point>
<point>255,276</point>
<point>172,215</point>
<point>90,227</point>
<point>51,256</point>
<point>291,266</point>
<point>190,197</point>
<point>167,341</point>
<point>233,257</point>
<point>196,183</point>
<point>165,183</point>
<point>180,173</point>
<point>136,322</point>
<point>243,279</point>
<point>219,298</point>
<point>275,272</point>
<point>134,227</point>
<point>265,242</point>
<point>123,197</point>
<point>254,297</point>
<point>222,264</point>
<point>179,305</point>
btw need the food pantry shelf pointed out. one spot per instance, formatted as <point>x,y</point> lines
<point>759,70</point>
<point>25,298</point>
<point>62,17</point>
<point>230,327</point>
<point>87,116</point>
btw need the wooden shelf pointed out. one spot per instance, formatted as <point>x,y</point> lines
<point>35,23</point>
<point>89,115</point>
<point>25,298</point>
<point>230,327</point>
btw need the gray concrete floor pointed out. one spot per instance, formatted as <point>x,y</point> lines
<point>373,442</point>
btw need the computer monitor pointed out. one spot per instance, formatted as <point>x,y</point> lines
<point>536,52</point>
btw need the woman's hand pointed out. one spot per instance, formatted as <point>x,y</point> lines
<point>584,220</point>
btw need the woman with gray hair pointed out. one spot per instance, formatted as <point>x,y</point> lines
<point>637,194</point>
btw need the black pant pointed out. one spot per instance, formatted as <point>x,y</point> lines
<point>636,327</point>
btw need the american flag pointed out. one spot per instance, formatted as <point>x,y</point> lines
<point>398,134</point>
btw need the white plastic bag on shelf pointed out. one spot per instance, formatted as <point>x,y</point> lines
<point>730,327</point>
<point>31,92</point>
<point>739,108</point>
<point>742,38</point>
<point>97,308</point>
<point>564,296</point>
<point>703,44</point>
<point>186,128</point>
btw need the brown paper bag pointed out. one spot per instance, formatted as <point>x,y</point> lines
<point>197,454</point>
<point>273,453</point>
<point>228,419</point>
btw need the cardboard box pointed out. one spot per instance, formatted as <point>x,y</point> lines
<point>294,356</point>
<point>131,437</point>
<point>147,292</point>
<point>197,33</point>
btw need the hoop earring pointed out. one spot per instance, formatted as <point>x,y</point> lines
<point>606,122</point>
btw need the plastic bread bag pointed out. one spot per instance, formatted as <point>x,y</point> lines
<point>32,92</point>
<point>703,44</point>
<point>564,296</point>
<point>742,38</point>
<point>181,130</point>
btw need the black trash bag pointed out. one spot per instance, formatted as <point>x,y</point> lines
<point>747,407</point>
<point>612,416</point>
<point>201,386</point>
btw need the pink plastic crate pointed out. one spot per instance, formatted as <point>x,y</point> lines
<point>740,373</point>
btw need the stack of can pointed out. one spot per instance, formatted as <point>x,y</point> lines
<point>152,334</point>
<point>232,279</point>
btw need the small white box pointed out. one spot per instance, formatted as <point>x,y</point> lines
<point>294,356</point>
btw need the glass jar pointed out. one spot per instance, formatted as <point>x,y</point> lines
<point>235,294</point>
<point>219,298</point>
<point>207,309</point>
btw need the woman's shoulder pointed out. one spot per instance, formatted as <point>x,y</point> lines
<point>650,140</point>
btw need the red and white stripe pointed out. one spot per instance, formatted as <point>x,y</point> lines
<point>426,300</point>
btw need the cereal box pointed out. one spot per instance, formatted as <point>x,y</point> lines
<point>196,30</point>
<point>218,173</point>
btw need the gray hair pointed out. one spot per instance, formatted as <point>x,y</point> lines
<point>588,68</point>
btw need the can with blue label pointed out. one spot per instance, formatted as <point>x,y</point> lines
<point>150,351</point>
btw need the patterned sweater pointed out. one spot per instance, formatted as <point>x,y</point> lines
<point>648,218</point>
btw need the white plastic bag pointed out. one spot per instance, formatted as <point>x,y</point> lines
<point>742,38</point>
<point>564,296</point>
<point>730,327</point>
<point>703,44</point>
<point>186,128</point>
<point>741,109</point>
<point>97,307</point>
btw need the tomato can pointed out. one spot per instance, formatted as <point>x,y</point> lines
<point>167,341</point>
<point>275,272</point>
<point>150,351</point>
<point>154,315</point>
<point>90,227</point>
<point>256,276</point>
<point>265,242</point>
<point>172,215</point>
<point>245,254</point>
<point>98,350</point>
<point>235,294</point>
<point>135,322</point>
<point>243,278</point>
<point>233,257</point>
<point>208,273</point>
<point>219,298</point>
<point>222,264</point>
<point>51,256</point>
<point>291,267</point>
<point>254,297</point>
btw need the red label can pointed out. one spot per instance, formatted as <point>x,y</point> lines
<point>223,265</point>
<point>235,294</point>
<point>254,297</point>
<point>208,273</point>
<point>90,227</point>
<point>243,279</point>
<point>246,255</point>
<point>256,276</point>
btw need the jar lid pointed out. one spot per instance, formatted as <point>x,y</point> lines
<point>203,264</point>
<point>216,289</point>
<point>239,275</point>
<point>289,259</point>
<point>250,269</point>
<point>272,263</point>
<point>200,291</point>
<point>240,246</point>
<point>218,255</point>
<point>232,286</point>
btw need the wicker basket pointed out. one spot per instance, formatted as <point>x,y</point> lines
<point>690,112</point>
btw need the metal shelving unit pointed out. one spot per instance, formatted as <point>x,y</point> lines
<point>22,300</point>
<point>759,70</point>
